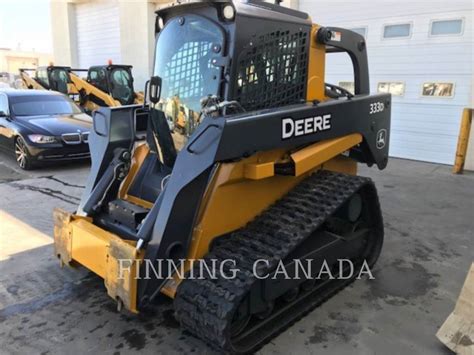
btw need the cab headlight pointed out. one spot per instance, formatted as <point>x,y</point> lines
<point>39,138</point>
<point>228,12</point>
<point>161,23</point>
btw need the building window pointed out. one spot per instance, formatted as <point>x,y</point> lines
<point>348,85</point>
<point>397,31</point>
<point>438,89</point>
<point>395,88</point>
<point>360,30</point>
<point>446,27</point>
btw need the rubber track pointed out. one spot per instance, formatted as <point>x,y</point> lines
<point>206,307</point>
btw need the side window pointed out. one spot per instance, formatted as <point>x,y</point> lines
<point>348,85</point>
<point>121,77</point>
<point>271,71</point>
<point>446,27</point>
<point>395,88</point>
<point>42,77</point>
<point>121,87</point>
<point>4,104</point>
<point>397,31</point>
<point>437,89</point>
<point>98,79</point>
<point>93,75</point>
<point>360,30</point>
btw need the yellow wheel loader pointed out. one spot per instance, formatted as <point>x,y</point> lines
<point>263,179</point>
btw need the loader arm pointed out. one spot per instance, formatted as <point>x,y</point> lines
<point>30,82</point>
<point>91,91</point>
<point>139,98</point>
<point>228,138</point>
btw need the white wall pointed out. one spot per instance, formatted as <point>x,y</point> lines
<point>137,40</point>
<point>63,28</point>
<point>422,128</point>
<point>90,32</point>
<point>98,33</point>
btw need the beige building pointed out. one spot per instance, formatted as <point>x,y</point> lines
<point>11,60</point>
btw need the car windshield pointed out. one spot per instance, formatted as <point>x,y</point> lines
<point>38,105</point>
<point>122,86</point>
<point>185,51</point>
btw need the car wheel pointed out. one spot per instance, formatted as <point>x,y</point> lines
<point>22,155</point>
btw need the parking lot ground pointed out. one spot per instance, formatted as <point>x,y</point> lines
<point>429,229</point>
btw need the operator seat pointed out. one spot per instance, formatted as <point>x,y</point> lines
<point>159,162</point>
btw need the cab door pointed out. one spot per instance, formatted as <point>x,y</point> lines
<point>42,78</point>
<point>98,78</point>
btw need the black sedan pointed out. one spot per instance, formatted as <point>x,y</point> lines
<point>41,126</point>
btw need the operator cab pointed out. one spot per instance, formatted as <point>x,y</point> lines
<point>115,80</point>
<point>204,60</point>
<point>206,67</point>
<point>54,78</point>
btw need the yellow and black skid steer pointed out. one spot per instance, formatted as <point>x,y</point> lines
<point>113,80</point>
<point>262,174</point>
<point>105,86</point>
<point>51,77</point>
<point>65,80</point>
<point>29,81</point>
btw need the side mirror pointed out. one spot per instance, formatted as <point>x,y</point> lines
<point>155,89</point>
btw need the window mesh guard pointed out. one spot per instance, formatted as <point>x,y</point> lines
<point>184,72</point>
<point>272,71</point>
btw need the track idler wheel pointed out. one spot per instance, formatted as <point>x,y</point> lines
<point>267,312</point>
<point>291,295</point>
<point>239,324</point>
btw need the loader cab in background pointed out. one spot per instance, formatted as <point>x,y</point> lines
<point>115,80</point>
<point>54,78</point>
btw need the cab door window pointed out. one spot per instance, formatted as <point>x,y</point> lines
<point>42,77</point>
<point>98,78</point>
<point>59,80</point>
<point>122,86</point>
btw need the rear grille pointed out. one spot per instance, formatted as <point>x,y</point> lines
<point>71,138</point>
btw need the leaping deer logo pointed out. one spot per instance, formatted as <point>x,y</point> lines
<point>381,140</point>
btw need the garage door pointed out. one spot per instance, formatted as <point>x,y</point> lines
<point>98,33</point>
<point>428,74</point>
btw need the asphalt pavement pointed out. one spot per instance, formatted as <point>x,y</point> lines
<point>429,229</point>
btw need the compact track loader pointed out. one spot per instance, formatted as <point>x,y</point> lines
<point>261,174</point>
<point>105,86</point>
<point>56,78</point>
<point>115,80</point>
